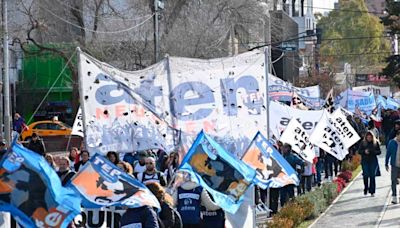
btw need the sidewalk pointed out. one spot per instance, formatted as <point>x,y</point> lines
<point>390,216</point>
<point>353,209</point>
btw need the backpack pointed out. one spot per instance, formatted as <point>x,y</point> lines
<point>176,217</point>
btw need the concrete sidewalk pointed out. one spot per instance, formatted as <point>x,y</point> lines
<point>390,216</point>
<point>353,209</point>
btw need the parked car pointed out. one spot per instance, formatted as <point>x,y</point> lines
<point>47,128</point>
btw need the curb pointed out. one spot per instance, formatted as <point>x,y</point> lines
<point>334,201</point>
<point>382,214</point>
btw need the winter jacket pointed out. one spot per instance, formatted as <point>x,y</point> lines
<point>205,198</point>
<point>374,150</point>
<point>37,146</point>
<point>65,176</point>
<point>391,153</point>
<point>144,217</point>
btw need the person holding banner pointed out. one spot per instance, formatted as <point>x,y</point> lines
<point>287,192</point>
<point>144,216</point>
<point>369,150</point>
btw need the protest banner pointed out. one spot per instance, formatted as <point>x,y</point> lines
<point>364,101</point>
<point>299,139</point>
<point>222,175</point>
<point>31,191</point>
<point>77,128</point>
<point>273,171</point>
<point>348,134</point>
<point>326,137</point>
<point>377,90</point>
<point>280,116</point>
<point>130,111</point>
<point>100,183</point>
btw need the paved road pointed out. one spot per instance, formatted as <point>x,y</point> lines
<point>353,209</point>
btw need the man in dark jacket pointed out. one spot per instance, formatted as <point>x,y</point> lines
<point>288,190</point>
<point>144,217</point>
<point>64,171</point>
<point>392,133</point>
<point>36,145</point>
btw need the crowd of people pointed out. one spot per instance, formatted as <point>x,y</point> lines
<point>190,205</point>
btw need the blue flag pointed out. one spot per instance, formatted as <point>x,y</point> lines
<point>392,104</point>
<point>225,177</point>
<point>101,183</point>
<point>31,191</point>
<point>273,171</point>
<point>380,100</point>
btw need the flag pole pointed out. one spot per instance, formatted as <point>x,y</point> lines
<point>266,64</point>
<point>78,50</point>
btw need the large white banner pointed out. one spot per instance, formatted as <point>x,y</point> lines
<point>343,127</point>
<point>129,111</point>
<point>283,91</point>
<point>280,116</point>
<point>326,137</point>
<point>378,90</point>
<point>299,139</point>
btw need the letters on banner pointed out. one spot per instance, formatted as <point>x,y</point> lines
<point>130,111</point>
<point>299,139</point>
<point>281,90</point>
<point>377,90</point>
<point>326,137</point>
<point>280,116</point>
<point>101,183</point>
<point>363,101</point>
<point>347,132</point>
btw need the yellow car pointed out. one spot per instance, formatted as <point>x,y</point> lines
<point>46,128</point>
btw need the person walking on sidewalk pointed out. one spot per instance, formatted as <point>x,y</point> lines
<point>393,155</point>
<point>369,149</point>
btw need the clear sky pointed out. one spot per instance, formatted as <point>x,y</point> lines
<point>323,4</point>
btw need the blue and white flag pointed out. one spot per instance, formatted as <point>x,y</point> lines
<point>31,191</point>
<point>363,101</point>
<point>222,175</point>
<point>101,183</point>
<point>273,171</point>
<point>392,104</point>
<point>380,100</point>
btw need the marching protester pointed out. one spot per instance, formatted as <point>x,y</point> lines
<point>392,134</point>
<point>369,149</point>
<point>113,157</point>
<point>287,192</point>
<point>151,174</point>
<point>36,145</point>
<point>84,158</point>
<point>188,198</point>
<point>126,167</point>
<point>393,156</point>
<point>139,166</point>
<point>144,216</point>
<point>64,171</point>
<point>306,177</point>
<point>215,219</point>
<point>49,158</point>
<point>169,217</point>
<point>171,166</point>
<point>73,157</point>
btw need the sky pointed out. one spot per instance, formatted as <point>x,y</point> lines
<point>323,4</point>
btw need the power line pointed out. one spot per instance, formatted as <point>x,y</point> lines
<point>111,17</point>
<point>96,31</point>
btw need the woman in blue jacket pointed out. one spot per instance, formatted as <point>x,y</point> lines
<point>393,155</point>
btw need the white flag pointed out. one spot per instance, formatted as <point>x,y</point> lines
<point>329,102</point>
<point>77,128</point>
<point>298,138</point>
<point>326,137</point>
<point>343,127</point>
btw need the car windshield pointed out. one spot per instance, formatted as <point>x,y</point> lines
<point>65,125</point>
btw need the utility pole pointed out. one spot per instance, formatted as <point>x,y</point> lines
<point>158,4</point>
<point>6,83</point>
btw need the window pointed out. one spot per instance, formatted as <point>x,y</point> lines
<point>41,126</point>
<point>54,126</point>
